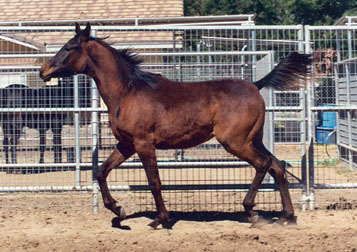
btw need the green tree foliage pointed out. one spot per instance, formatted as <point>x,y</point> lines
<point>269,12</point>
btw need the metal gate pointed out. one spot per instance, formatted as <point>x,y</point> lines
<point>331,117</point>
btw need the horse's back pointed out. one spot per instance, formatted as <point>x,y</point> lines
<point>211,97</point>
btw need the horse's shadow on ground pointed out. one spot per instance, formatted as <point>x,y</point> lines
<point>202,216</point>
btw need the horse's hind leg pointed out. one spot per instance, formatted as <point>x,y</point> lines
<point>277,170</point>
<point>248,201</point>
<point>118,156</point>
<point>263,161</point>
<point>147,155</point>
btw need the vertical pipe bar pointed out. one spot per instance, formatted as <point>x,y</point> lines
<point>268,178</point>
<point>95,105</point>
<point>174,57</point>
<point>349,41</point>
<point>338,46</point>
<point>254,57</point>
<point>302,104</point>
<point>271,104</point>
<point>301,39</point>
<point>348,92</point>
<point>198,62</point>
<point>310,123</point>
<point>242,63</point>
<point>349,117</point>
<point>210,71</point>
<point>303,114</point>
<point>336,75</point>
<point>77,131</point>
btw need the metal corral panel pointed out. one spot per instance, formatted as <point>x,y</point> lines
<point>347,96</point>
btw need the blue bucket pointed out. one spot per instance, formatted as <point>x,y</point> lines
<point>323,135</point>
<point>327,119</point>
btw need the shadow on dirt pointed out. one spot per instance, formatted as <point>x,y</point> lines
<point>175,216</point>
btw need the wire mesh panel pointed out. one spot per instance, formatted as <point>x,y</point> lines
<point>38,167</point>
<point>332,115</point>
<point>76,127</point>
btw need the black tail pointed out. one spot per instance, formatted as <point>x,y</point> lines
<point>286,74</point>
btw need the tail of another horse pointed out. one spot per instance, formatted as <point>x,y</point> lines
<point>288,72</point>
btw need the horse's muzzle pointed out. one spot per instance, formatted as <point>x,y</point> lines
<point>45,73</point>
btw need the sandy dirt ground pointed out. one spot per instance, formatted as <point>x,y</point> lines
<point>59,223</point>
<point>51,230</point>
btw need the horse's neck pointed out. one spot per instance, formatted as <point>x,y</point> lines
<point>109,79</point>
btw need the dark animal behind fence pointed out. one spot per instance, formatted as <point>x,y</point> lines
<point>21,96</point>
<point>149,112</point>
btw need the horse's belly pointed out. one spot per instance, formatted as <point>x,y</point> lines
<point>183,141</point>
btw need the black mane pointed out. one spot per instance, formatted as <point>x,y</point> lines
<point>135,76</point>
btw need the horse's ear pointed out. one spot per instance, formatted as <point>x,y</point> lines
<point>86,31</point>
<point>78,28</point>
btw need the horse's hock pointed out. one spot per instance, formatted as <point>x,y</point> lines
<point>199,178</point>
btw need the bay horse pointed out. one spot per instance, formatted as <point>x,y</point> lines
<point>149,112</point>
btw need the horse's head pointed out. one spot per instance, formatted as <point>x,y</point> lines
<point>71,59</point>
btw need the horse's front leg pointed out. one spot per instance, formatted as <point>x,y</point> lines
<point>118,156</point>
<point>57,143</point>
<point>42,132</point>
<point>146,152</point>
<point>14,140</point>
<point>5,144</point>
<point>56,127</point>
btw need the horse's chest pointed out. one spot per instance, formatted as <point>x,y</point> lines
<point>120,128</point>
<point>113,123</point>
<point>117,132</point>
